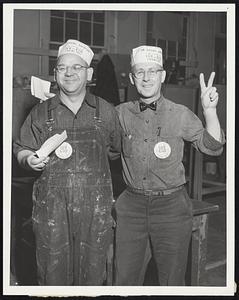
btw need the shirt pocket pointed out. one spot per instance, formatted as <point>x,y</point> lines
<point>127,144</point>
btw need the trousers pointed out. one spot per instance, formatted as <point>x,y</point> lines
<point>165,222</point>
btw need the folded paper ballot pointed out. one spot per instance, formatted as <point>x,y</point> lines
<point>39,87</point>
<point>51,144</point>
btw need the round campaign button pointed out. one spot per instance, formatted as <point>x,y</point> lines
<point>162,150</point>
<point>64,150</point>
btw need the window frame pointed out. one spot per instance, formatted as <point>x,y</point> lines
<point>95,48</point>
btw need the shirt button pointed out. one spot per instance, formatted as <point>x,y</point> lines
<point>147,121</point>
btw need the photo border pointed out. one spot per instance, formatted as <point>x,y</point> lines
<point>8,19</point>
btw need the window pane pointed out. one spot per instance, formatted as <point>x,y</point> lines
<point>52,64</point>
<point>71,15</point>
<point>172,48</point>
<point>71,29</point>
<point>85,32</point>
<point>56,30</point>
<point>96,50</point>
<point>99,17</point>
<point>57,13</point>
<point>85,16</point>
<point>54,46</point>
<point>98,35</point>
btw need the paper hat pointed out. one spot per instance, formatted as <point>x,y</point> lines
<point>146,54</point>
<point>78,48</point>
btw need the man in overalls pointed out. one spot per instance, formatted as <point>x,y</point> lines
<point>72,195</point>
<point>155,206</point>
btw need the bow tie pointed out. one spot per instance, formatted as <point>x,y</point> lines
<point>143,106</point>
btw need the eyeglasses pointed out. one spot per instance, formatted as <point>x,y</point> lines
<point>74,68</point>
<point>152,73</point>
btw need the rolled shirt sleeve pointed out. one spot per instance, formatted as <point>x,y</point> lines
<point>194,132</point>
<point>211,143</point>
<point>30,134</point>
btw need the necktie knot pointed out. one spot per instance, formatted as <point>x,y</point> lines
<point>143,106</point>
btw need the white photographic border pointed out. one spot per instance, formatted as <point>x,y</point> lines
<point>8,18</point>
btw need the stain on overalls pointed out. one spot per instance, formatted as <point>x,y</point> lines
<point>72,202</point>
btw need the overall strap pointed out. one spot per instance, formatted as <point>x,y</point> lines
<point>97,110</point>
<point>49,120</point>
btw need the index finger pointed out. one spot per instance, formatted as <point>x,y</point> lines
<point>210,80</point>
<point>202,81</point>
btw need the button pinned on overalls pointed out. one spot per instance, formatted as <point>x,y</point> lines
<point>64,150</point>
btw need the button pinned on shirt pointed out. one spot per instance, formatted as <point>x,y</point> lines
<point>162,150</point>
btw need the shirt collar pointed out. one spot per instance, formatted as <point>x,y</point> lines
<point>55,101</point>
<point>135,105</point>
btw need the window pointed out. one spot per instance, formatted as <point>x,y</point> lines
<point>87,27</point>
<point>174,52</point>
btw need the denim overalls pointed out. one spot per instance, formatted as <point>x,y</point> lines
<point>72,209</point>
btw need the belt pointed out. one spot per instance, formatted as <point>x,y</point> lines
<point>154,192</point>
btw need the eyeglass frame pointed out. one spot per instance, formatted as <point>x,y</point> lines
<point>150,76</point>
<point>56,69</point>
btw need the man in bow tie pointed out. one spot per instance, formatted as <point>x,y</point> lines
<point>155,206</point>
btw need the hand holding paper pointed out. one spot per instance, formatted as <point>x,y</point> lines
<point>51,144</point>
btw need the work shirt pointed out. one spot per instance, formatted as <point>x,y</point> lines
<point>32,132</point>
<point>171,123</point>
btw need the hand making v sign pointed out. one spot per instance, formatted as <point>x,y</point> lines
<point>209,95</point>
